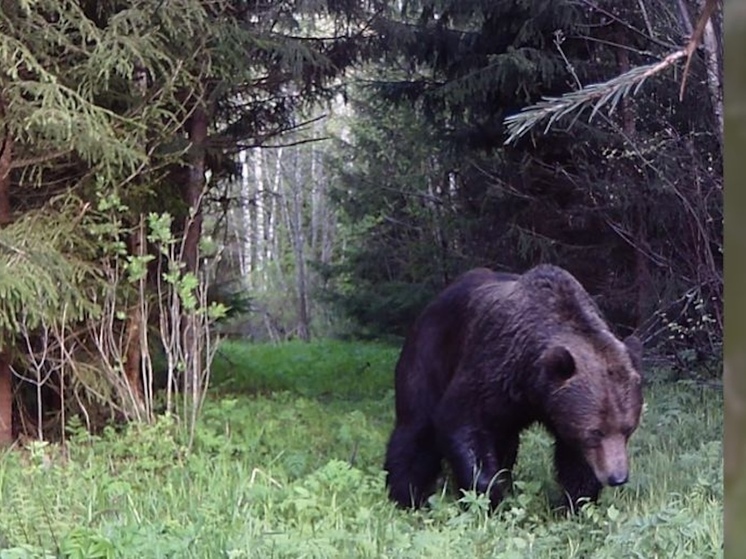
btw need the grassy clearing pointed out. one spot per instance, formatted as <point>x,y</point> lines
<point>287,464</point>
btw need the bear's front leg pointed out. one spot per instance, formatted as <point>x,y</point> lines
<point>575,475</point>
<point>506,449</point>
<point>412,464</point>
<point>471,455</point>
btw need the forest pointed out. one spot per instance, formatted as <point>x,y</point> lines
<point>219,219</point>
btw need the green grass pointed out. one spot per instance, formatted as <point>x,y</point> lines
<point>340,370</point>
<point>287,463</point>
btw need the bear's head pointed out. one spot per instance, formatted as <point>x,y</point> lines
<point>593,399</point>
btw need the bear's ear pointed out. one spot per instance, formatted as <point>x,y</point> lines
<point>558,363</point>
<point>634,347</point>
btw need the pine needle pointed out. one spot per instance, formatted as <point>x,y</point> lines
<point>598,95</point>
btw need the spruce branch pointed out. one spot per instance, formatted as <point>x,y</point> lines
<point>598,95</point>
<point>609,92</point>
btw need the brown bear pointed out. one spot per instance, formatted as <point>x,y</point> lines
<point>494,353</point>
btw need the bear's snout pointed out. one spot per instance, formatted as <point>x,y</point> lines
<point>618,478</point>
<point>609,461</point>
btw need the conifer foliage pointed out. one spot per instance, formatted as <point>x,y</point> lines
<point>630,202</point>
<point>113,112</point>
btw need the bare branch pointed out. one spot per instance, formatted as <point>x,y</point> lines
<point>699,31</point>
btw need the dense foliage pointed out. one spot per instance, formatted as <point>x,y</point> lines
<point>114,114</point>
<point>630,202</point>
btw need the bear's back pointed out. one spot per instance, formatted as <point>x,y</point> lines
<point>435,344</point>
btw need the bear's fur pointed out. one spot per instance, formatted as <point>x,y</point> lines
<point>494,353</point>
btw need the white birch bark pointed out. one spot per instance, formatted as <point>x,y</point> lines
<point>245,225</point>
<point>713,56</point>
<point>713,64</point>
<point>299,242</point>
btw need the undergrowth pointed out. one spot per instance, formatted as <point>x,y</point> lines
<point>287,463</point>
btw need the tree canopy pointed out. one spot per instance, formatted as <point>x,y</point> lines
<point>618,200</point>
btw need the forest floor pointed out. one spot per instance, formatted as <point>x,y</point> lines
<point>287,463</point>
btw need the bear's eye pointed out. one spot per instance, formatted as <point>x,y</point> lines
<point>594,438</point>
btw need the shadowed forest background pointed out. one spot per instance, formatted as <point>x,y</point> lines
<point>411,182</point>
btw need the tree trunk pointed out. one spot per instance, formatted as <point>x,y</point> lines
<point>195,186</point>
<point>264,216</point>
<point>254,190</point>
<point>316,205</point>
<point>244,226</point>
<point>275,207</point>
<point>304,331</point>
<point>133,343</point>
<point>193,192</point>
<point>712,43</point>
<point>713,63</point>
<point>251,225</point>
<point>639,227</point>
<point>327,220</point>
<point>6,377</point>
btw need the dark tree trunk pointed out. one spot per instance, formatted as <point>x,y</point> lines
<point>6,380</point>
<point>193,190</point>
<point>133,348</point>
<point>194,187</point>
<point>6,401</point>
<point>642,271</point>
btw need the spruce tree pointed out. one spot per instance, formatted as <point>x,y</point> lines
<point>120,109</point>
<point>604,198</point>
